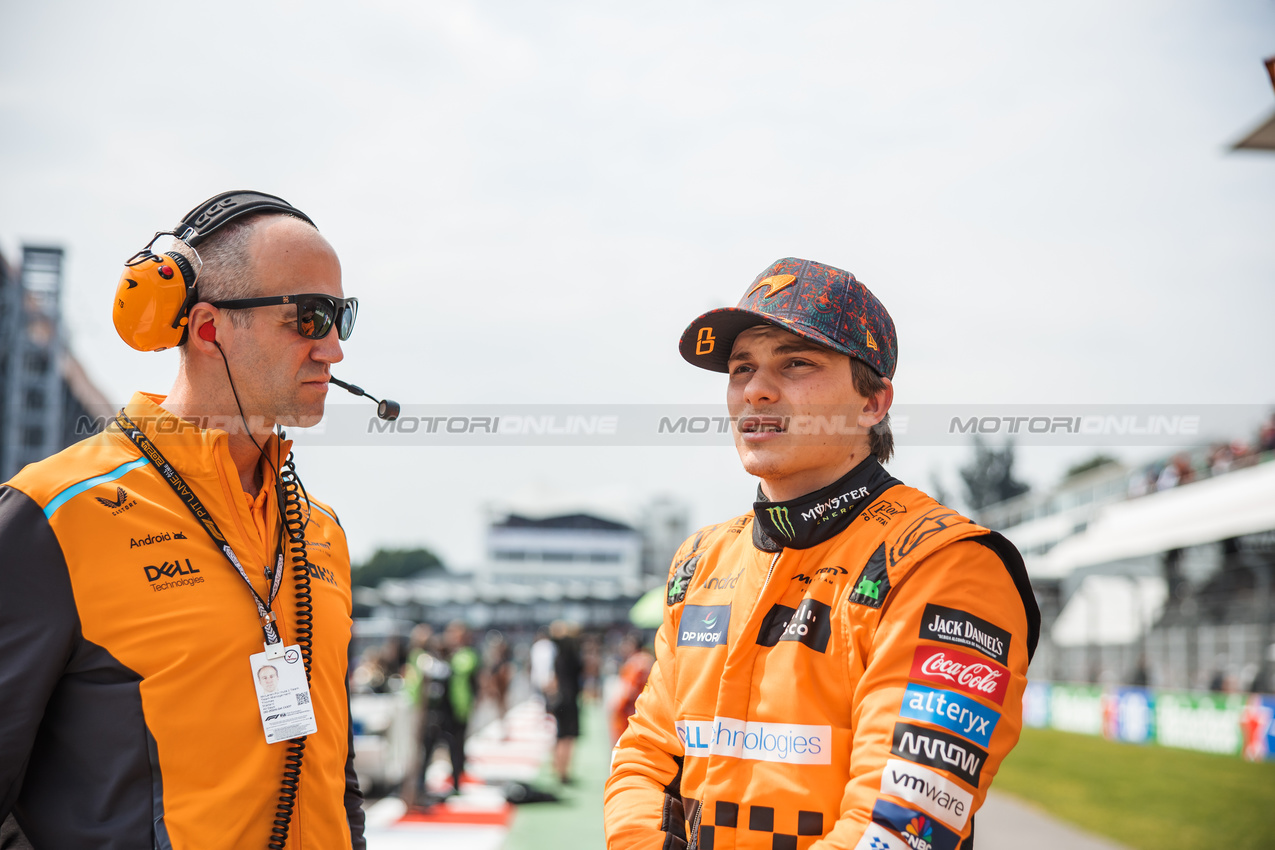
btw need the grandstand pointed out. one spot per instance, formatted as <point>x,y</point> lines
<point>1159,575</point>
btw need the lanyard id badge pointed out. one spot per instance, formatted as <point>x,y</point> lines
<point>283,693</point>
<point>283,696</point>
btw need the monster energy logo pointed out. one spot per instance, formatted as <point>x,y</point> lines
<point>779,516</point>
<point>674,589</point>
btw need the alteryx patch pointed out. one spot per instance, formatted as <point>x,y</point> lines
<point>873,583</point>
<point>704,625</point>
<point>952,711</point>
<point>920,831</point>
<point>952,625</point>
<point>680,581</point>
<point>810,623</point>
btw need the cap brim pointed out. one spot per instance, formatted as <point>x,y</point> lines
<point>712,350</point>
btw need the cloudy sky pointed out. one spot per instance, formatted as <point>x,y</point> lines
<point>531,200</point>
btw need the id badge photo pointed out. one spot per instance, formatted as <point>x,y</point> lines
<point>283,696</point>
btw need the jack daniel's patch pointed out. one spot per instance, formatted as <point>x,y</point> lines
<point>874,581</point>
<point>680,581</point>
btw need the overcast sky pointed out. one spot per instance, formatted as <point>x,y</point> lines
<point>532,200</point>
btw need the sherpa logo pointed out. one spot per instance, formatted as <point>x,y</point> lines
<point>779,516</point>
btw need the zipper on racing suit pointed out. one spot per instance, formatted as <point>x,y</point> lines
<point>692,840</point>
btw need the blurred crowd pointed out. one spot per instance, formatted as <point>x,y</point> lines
<point>445,677</point>
<point>1218,459</point>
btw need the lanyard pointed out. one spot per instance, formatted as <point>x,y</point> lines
<point>201,514</point>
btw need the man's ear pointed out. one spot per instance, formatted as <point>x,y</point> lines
<point>876,406</point>
<point>203,327</point>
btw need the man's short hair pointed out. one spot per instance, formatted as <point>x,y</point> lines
<point>227,271</point>
<point>264,667</point>
<point>868,383</point>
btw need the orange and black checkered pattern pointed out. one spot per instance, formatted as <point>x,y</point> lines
<point>761,819</point>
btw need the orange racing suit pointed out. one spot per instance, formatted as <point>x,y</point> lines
<point>128,715</point>
<point>843,670</point>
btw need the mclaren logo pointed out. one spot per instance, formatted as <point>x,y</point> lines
<point>120,503</point>
<point>774,284</point>
<point>779,516</point>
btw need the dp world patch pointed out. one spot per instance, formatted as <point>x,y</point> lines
<point>704,625</point>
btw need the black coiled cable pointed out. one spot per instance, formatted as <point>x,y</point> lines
<point>290,501</point>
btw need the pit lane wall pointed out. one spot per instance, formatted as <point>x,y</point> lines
<point>1227,724</point>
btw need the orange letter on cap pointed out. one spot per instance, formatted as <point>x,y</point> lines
<point>705,341</point>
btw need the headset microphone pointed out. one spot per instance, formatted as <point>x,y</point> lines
<point>385,408</point>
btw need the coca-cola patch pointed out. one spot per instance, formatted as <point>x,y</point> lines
<point>961,671</point>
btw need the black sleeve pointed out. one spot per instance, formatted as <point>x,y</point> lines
<point>353,795</point>
<point>39,627</point>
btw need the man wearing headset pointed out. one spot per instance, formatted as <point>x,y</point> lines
<point>842,667</point>
<point>149,572</point>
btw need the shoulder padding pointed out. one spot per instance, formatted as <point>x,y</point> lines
<point>1013,562</point>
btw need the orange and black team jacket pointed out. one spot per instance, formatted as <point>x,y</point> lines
<point>128,713</point>
<point>844,670</point>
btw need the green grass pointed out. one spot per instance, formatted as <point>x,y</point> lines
<point>576,820</point>
<point>1147,797</point>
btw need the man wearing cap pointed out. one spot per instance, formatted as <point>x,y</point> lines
<point>843,666</point>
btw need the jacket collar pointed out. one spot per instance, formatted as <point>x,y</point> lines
<point>195,452</point>
<point>811,519</point>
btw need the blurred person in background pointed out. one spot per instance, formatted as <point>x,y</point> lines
<point>448,669</point>
<point>1266,436</point>
<point>564,694</point>
<point>416,686</point>
<point>498,674</point>
<point>845,664</point>
<point>635,667</point>
<point>591,667</point>
<point>462,692</point>
<point>541,664</point>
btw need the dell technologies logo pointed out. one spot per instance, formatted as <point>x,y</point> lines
<point>169,570</point>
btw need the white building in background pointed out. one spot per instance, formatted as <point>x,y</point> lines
<point>561,548</point>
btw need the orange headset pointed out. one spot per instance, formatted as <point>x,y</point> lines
<point>156,291</point>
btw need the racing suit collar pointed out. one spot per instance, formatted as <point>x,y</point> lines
<point>811,519</point>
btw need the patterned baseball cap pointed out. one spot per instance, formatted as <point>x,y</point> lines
<point>821,303</point>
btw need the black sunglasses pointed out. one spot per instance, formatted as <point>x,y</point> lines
<point>316,314</point>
